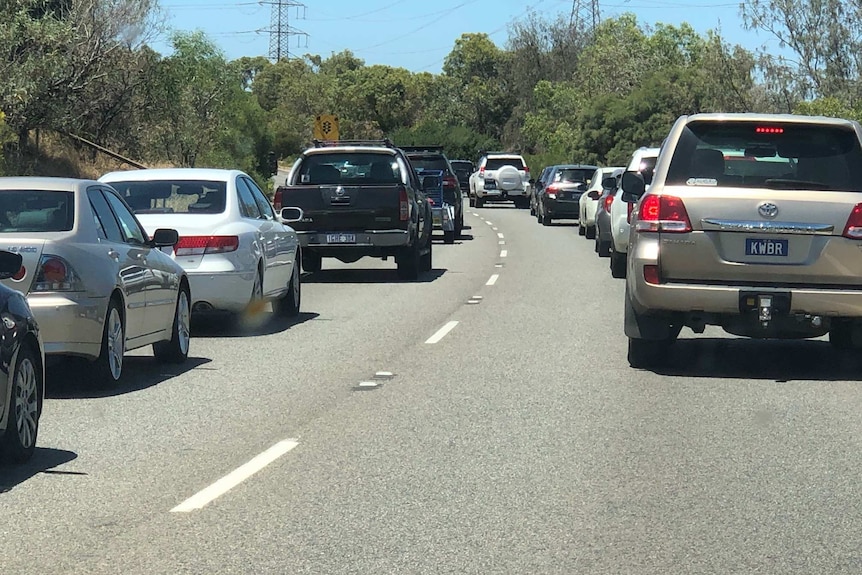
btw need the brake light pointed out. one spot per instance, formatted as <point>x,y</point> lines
<point>450,182</point>
<point>55,274</point>
<point>19,275</point>
<point>276,199</point>
<point>200,245</point>
<point>853,229</point>
<point>663,214</point>
<point>552,191</point>
<point>606,205</point>
<point>527,169</point>
<point>481,171</point>
<point>769,130</point>
<point>403,204</point>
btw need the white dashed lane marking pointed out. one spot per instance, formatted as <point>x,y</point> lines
<point>492,280</point>
<point>499,235</point>
<point>441,333</point>
<point>504,253</point>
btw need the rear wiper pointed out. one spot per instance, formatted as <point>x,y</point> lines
<point>787,184</point>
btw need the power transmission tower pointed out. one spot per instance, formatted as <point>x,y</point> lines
<point>280,30</point>
<point>585,15</point>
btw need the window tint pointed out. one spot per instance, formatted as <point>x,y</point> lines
<point>104,215</point>
<point>260,198</point>
<point>497,163</point>
<point>572,175</point>
<point>36,211</point>
<point>745,154</point>
<point>349,168</point>
<point>173,196</point>
<point>132,231</point>
<point>247,206</point>
<point>647,168</point>
<point>429,163</point>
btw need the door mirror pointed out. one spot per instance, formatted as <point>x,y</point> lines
<point>292,214</point>
<point>10,264</point>
<point>633,186</point>
<point>532,181</point>
<point>165,237</point>
<point>609,183</point>
<point>594,195</point>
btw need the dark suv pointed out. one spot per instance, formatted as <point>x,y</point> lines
<point>463,170</point>
<point>433,158</point>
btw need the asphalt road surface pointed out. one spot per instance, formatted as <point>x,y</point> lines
<point>516,440</point>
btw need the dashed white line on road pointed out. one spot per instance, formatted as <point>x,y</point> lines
<point>504,253</point>
<point>489,222</point>
<point>235,477</point>
<point>494,228</point>
<point>441,333</point>
<point>502,243</point>
<point>499,235</point>
<point>492,280</point>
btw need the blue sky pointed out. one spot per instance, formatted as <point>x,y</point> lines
<point>416,34</point>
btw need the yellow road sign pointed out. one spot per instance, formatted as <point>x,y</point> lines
<point>326,127</point>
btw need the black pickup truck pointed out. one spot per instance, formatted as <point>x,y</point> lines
<point>359,199</point>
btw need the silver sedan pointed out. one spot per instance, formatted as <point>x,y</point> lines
<point>97,283</point>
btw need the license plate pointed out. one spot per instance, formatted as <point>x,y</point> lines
<point>341,238</point>
<point>762,247</point>
<point>490,186</point>
<point>438,220</point>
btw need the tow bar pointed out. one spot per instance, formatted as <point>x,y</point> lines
<point>764,310</point>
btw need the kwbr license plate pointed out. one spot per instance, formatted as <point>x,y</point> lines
<point>341,238</point>
<point>762,247</point>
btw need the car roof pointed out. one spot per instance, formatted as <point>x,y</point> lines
<point>504,156</point>
<point>754,117</point>
<point>214,174</point>
<point>45,183</point>
<point>350,149</point>
<point>576,166</point>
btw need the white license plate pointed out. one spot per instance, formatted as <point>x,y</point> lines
<point>341,238</point>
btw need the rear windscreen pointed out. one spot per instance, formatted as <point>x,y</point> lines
<point>36,211</point>
<point>349,168</point>
<point>767,155</point>
<point>573,175</point>
<point>497,163</point>
<point>428,163</point>
<point>173,196</point>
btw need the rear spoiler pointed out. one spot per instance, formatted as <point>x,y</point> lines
<point>422,148</point>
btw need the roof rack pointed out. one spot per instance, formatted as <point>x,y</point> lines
<point>331,143</point>
<point>422,148</point>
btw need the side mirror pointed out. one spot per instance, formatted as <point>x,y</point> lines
<point>165,237</point>
<point>10,264</point>
<point>292,214</point>
<point>633,186</point>
<point>594,195</point>
<point>532,181</point>
<point>609,183</point>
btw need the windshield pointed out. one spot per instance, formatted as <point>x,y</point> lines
<point>349,168</point>
<point>497,163</point>
<point>749,155</point>
<point>173,196</point>
<point>574,175</point>
<point>36,211</point>
<point>429,163</point>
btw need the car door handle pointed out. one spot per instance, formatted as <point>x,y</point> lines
<point>114,254</point>
<point>141,256</point>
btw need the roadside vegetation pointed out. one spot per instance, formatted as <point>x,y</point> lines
<point>551,92</point>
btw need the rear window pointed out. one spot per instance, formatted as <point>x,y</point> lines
<point>573,175</point>
<point>36,211</point>
<point>349,169</point>
<point>173,196</point>
<point>497,163</point>
<point>770,155</point>
<point>429,163</point>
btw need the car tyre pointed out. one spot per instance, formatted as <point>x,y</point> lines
<point>472,201</point>
<point>449,237</point>
<point>288,304</point>
<point>427,262</point>
<point>108,367</point>
<point>311,262</point>
<point>590,232</point>
<point>176,350</point>
<point>409,263</point>
<point>480,202</point>
<point>618,264</point>
<point>604,248</point>
<point>581,229</point>
<point>841,335</point>
<point>647,353</point>
<point>25,407</point>
<point>546,220</point>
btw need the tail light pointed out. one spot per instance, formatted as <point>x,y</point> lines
<point>481,171</point>
<point>606,205</point>
<point>200,245</point>
<point>276,199</point>
<point>853,229</point>
<point>552,191</point>
<point>55,274</point>
<point>450,182</point>
<point>629,207</point>
<point>652,275</point>
<point>527,169</point>
<point>664,214</point>
<point>403,205</point>
<point>19,275</point>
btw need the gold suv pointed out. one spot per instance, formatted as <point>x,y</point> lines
<point>753,223</point>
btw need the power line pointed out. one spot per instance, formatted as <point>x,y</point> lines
<point>280,30</point>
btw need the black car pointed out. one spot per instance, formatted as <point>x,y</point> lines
<point>560,196</point>
<point>433,158</point>
<point>22,384</point>
<point>463,170</point>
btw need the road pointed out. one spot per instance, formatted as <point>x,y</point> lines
<point>519,442</point>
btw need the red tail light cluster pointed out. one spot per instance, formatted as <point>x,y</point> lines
<point>630,206</point>
<point>54,274</point>
<point>200,245</point>
<point>277,198</point>
<point>853,229</point>
<point>450,182</point>
<point>552,191</point>
<point>606,204</point>
<point>663,214</point>
<point>403,204</point>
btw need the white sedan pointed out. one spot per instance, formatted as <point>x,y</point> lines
<point>236,251</point>
<point>643,160</point>
<point>589,201</point>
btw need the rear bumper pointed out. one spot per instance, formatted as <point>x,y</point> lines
<point>377,243</point>
<point>562,208</point>
<point>501,195</point>
<point>70,324</point>
<point>590,209</point>
<point>225,291</point>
